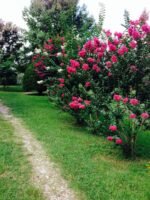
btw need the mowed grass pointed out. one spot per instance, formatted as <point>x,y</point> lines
<point>92,165</point>
<point>15,170</point>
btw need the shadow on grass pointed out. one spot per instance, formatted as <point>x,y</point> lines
<point>143,145</point>
<point>34,93</point>
<point>11,88</point>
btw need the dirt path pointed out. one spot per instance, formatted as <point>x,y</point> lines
<point>45,174</point>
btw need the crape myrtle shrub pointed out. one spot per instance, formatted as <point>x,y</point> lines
<point>111,65</point>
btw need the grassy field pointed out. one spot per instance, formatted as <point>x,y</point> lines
<point>91,164</point>
<point>15,170</point>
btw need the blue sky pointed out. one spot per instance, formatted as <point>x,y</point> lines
<point>11,10</point>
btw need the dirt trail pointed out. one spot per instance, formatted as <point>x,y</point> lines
<point>45,174</point>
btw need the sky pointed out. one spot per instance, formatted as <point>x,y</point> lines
<point>11,10</point>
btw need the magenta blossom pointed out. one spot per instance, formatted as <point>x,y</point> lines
<point>74,98</point>
<point>82,53</point>
<point>80,99</point>
<point>96,68</point>
<point>117,34</point>
<point>87,84</point>
<point>122,50</point>
<point>132,116</point>
<point>87,102</point>
<point>74,105</point>
<point>133,68</point>
<point>114,59</point>
<point>134,102</point>
<point>112,47</point>
<point>110,138</point>
<point>71,70</point>
<point>81,106</point>
<point>91,60</point>
<point>108,33</point>
<point>125,100</point>
<point>145,115</point>
<point>118,141</point>
<point>133,44</point>
<point>117,97</point>
<point>112,128</point>
<point>109,74</point>
<point>146,28</point>
<point>74,63</point>
<point>108,64</point>
<point>61,85</point>
<point>85,67</point>
<point>61,80</point>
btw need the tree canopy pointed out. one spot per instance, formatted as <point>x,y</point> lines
<point>48,18</point>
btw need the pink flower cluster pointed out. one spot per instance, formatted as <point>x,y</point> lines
<point>122,50</point>
<point>144,115</point>
<point>113,128</point>
<point>78,103</point>
<point>61,82</point>
<point>72,68</point>
<point>117,140</point>
<point>132,101</point>
<point>102,56</point>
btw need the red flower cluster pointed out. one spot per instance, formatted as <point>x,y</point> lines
<point>145,115</point>
<point>87,84</point>
<point>117,140</point>
<point>117,97</point>
<point>78,103</point>
<point>132,116</point>
<point>122,50</point>
<point>73,66</point>
<point>112,128</point>
<point>85,67</point>
<point>82,53</point>
<point>96,68</point>
<point>133,101</point>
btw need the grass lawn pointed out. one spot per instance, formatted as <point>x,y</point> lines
<point>15,170</point>
<point>91,164</point>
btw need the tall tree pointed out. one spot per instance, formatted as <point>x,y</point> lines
<point>10,43</point>
<point>48,18</point>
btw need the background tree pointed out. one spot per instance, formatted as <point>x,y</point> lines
<point>10,43</point>
<point>48,18</point>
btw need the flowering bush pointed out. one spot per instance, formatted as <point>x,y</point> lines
<point>104,67</point>
<point>49,63</point>
<point>130,119</point>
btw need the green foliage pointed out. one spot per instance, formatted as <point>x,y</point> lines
<point>102,11</point>
<point>55,18</point>
<point>8,74</point>
<point>126,19</point>
<point>10,43</point>
<point>30,81</point>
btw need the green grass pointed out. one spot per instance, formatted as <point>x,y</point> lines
<point>12,88</point>
<point>91,164</point>
<point>15,170</point>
